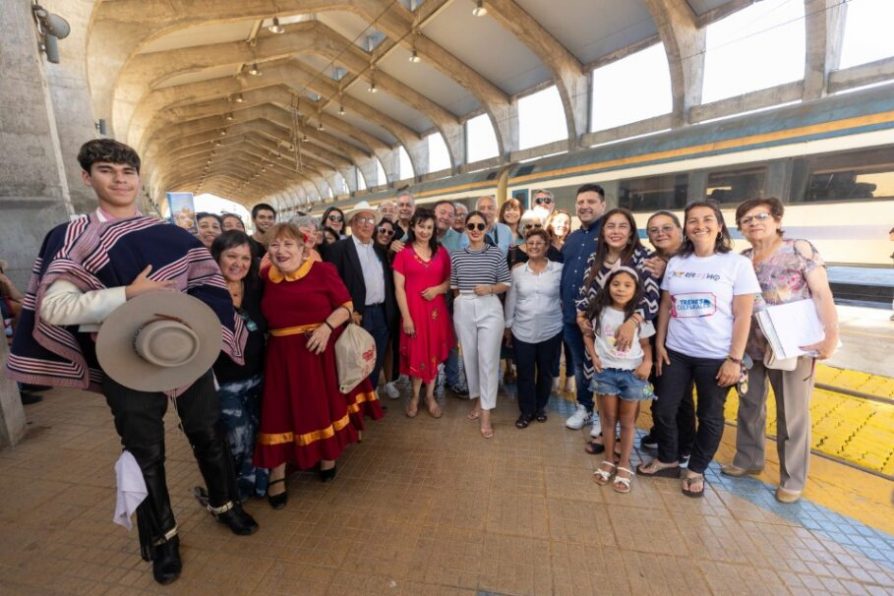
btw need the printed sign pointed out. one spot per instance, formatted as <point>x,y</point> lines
<point>183,211</point>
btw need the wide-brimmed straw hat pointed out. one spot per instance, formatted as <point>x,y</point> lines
<point>361,207</point>
<point>159,341</point>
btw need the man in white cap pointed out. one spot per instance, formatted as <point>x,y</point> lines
<point>86,270</point>
<point>364,267</point>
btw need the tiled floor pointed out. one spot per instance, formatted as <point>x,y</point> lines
<point>426,506</point>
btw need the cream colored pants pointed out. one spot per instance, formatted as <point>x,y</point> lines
<point>479,323</point>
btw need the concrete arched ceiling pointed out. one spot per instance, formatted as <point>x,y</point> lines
<point>172,78</point>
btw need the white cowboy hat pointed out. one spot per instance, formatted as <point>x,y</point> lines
<point>361,207</point>
<point>159,341</point>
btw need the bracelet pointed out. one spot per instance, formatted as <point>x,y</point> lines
<point>328,324</point>
<point>735,360</point>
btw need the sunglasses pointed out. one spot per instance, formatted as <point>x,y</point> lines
<point>757,217</point>
<point>384,230</point>
<point>473,226</point>
<point>334,217</point>
<point>534,225</point>
<point>543,201</point>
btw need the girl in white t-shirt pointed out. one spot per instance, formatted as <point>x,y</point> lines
<point>621,377</point>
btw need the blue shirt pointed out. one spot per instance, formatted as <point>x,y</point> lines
<point>453,240</point>
<point>578,247</point>
<point>500,234</point>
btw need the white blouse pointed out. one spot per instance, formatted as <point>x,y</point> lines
<point>533,307</point>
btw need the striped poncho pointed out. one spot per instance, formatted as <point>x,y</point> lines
<point>95,255</point>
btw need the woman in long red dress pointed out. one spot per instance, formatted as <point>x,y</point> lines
<point>305,419</point>
<point>421,279</point>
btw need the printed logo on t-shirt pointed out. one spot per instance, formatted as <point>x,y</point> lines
<point>693,305</point>
<point>696,275</point>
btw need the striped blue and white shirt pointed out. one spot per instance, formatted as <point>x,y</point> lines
<point>470,268</point>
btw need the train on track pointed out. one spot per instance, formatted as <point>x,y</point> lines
<point>831,161</point>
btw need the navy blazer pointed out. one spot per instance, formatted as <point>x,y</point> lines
<point>343,254</point>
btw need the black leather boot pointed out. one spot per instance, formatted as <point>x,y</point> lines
<point>166,564</point>
<point>238,520</point>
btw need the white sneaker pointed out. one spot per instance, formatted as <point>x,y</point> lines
<point>391,390</point>
<point>579,419</point>
<point>597,426</point>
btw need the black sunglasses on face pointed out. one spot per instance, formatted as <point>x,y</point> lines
<point>473,226</point>
<point>384,230</point>
<point>334,217</point>
<point>543,201</point>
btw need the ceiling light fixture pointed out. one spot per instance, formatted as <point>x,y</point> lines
<point>479,10</point>
<point>254,70</point>
<point>229,117</point>
<point>372,78</point>
<point>320,126</point>
<point>238,98</point>
<point>414,57</point>
<point>223,133</point>
<point>275,27</point>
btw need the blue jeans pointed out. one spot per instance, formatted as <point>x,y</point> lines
<point>621,383</point>
<point>375,322</point>
<point>451,369</point>
<point>575,342</point>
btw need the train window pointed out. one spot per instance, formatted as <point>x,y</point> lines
<point>735,186</point>
<point>653,193</point>
<point>855,183</point>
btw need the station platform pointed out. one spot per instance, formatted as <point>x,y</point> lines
<point>427,506</point>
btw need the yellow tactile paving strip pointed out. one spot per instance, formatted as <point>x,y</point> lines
<point>853,429</point>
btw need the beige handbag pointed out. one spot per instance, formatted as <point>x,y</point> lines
<point>355,356</point>
<point>772,362</point>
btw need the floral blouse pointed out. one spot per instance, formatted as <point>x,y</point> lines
<point>783,279</point>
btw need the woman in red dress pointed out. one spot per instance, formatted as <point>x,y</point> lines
<point>305,419</point>
<point>421,279</point>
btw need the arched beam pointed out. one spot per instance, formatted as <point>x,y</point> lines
<point>568,72</point>
<point>684,43</point>
<point>824,32</point>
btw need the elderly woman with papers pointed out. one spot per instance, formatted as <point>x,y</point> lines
<point>788,271</point>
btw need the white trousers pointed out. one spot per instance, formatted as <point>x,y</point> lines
<point>479,324</point>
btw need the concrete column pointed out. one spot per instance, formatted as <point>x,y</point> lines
<point>34,193</point>
<point>12,415</point>
<point>824,23</point>
<point>71,96</point>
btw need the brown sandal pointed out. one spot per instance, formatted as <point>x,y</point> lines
<point>412,408</point>
<point>693,479</point>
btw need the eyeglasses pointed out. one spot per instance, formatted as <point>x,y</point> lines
<point>757,217</point>
<point>365,220</point>
<point>335,217</point>
<point>384,230</point>
<point>665,229</point>
<point>473,226</point>
<point>543,201</point>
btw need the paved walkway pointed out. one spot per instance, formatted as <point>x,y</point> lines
<point>426,506</point>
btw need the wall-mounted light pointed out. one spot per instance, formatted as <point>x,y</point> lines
<point>275,27</point>
<point>479,10</point>
<point>254,70</point>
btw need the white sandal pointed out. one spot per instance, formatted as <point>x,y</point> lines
<point>620,484</point>
<point>602,477</point>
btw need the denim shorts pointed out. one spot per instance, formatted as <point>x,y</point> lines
<point>623,383</point>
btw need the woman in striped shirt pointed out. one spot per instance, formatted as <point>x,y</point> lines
<point>478,274</point>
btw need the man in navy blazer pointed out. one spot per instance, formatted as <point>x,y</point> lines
<point>366,271</point>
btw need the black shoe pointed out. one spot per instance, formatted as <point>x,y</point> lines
<point>277,501</point>
<point>523,421</point>
<point>458,391</point>
<point>30,398</point>
<point>541,416</point>
<point>166,564</point>
<point>238,520</point>
<point>648,442</point>
<point>327,475</point>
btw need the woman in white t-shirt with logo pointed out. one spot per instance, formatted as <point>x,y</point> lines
<point>707,298</point>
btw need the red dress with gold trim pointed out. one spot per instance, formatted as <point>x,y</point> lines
<point>421,354</point>
<point>304,417</point>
